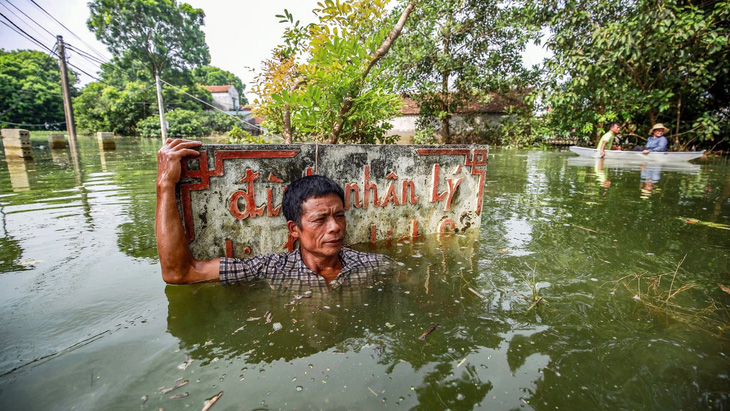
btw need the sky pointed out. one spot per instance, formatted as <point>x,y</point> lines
<point>240,34</point>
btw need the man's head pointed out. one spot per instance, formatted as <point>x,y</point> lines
<point>615,127</point>
<point>315,214</point>
<point>302,190</point>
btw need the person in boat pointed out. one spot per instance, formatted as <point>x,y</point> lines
<point>656,142</point>
<point>607,139</point>
<point>315,214</point>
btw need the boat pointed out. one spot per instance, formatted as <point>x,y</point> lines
<point>682,167</point>
<point>662,157</point>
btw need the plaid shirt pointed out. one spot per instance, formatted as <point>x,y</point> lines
<point>288,270</point>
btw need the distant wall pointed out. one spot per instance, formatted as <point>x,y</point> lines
<point>230,197</point>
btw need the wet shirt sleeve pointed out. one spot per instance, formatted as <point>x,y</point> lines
<point>235,270</point>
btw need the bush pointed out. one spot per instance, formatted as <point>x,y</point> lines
<point>217,123</point>
<point>239,136</point>
<point>186,123</point>
<point>181,123</point>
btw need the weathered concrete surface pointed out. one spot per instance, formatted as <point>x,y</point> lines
<point>57,140</point>
<point>106,140</point>
<point>230,197</point>
<point>16,142</point>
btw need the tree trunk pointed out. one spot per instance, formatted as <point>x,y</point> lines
<point>676,130</point>
<point>445,96</point>
<point>287,134</point>
<point>374,58</point>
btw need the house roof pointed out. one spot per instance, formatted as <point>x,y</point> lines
<point>218,89</point>
<point>497,105</point>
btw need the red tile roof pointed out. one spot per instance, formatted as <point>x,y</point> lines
<point>218,89</point>
<point>497,104</point>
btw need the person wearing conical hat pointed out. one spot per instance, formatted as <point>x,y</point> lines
<point>656,142</point>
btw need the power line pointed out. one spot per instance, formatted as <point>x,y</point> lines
<point>85,54</point>
<point>28,36</point>
<point>30,18</point>
<point>69,30</point>
<point>207,104</point>
<point>32,125</point>
<point>21,19</point>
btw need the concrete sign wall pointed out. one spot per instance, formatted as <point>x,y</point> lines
<point>230,197</point>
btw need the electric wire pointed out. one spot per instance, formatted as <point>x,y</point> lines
<point>25,34</point>
<point>20,19</point>
<point>69,30</point>
<point>30,18</point>
<point>207,104</point>
<point>85,54</point>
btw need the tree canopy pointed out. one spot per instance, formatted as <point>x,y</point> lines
<point>456,52</point>
<point>162,34</point>
<point>639,62</point>
<point>30,88</point>
<point>214,76</point>
<point>326,82</point>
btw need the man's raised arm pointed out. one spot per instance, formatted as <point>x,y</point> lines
<point>176,260</point>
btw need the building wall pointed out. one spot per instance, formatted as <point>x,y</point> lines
<point>226,101</point>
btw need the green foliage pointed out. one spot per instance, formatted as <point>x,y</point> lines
<point>162,34</point>
<point>182,123</point>
<point>30,88</point>
<point>639,62</point>
<point>217,123</point>
<point>238,135</point>
<point>101,107</point>
<point>187,123</point>
<point>456,52</point>
<point>425,135</point>
<point>340,92</point>
<point>214,76</point>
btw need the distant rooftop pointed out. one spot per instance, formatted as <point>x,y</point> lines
<point>218,89</point>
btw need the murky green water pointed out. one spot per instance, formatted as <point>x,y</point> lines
<point>87,322</point>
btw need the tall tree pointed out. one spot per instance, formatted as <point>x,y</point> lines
<point>30,88</point>
<point>639,62</point>
<point>161,34</point>
<point>339,92</point>
<point>214,76</point>
<point>456,52</point>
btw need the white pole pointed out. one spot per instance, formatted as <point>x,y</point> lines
<point>161,107</point>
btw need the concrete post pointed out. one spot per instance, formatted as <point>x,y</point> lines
<point>106,140</point>
<point>57,140</point>
<point>17,143</point>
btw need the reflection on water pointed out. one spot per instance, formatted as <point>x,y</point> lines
<point>531,311</point>
<point>18,170</point>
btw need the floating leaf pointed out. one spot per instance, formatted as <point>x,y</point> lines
<point>707,223</point>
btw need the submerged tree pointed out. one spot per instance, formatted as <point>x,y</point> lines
<point>338,93</point>
<point>640,62</point>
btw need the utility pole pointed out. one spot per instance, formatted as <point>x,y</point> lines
<point>67,107</point>
<point>161,107</point>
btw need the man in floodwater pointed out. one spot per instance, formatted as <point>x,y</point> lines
<point>315,214</point>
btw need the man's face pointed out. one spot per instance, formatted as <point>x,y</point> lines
<point>322,231</point>
<point>659,132</point>
<point>615,128</point>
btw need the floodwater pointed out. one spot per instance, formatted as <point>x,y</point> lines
<point>588,286</point>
